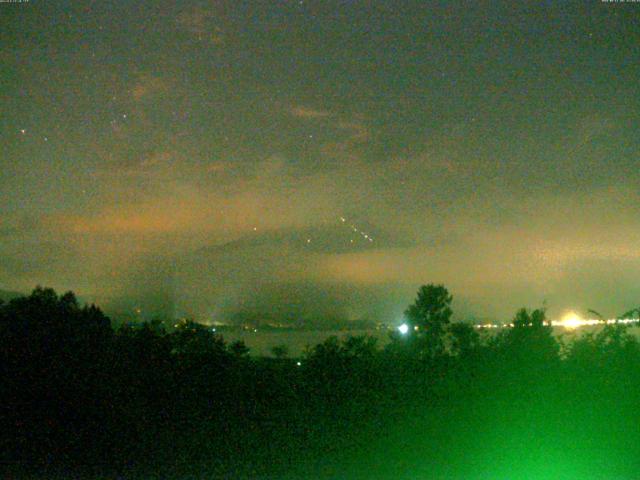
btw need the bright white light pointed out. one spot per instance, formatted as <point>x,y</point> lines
<point>403,329</point>
<point>572,320</point>
<point>298,363</point>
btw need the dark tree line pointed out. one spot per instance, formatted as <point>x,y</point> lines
<point>80,400</point>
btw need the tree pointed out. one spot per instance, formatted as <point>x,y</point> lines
<point>530,342</point>
<point>430,313</point>
<point>612,346</point>
<point>361,346</point>
<point>464,339</point>
<point>524,319</point>
<point>239,349</point>
<point>634,313</point>
<point>280,351</point>
<point>193,339</point>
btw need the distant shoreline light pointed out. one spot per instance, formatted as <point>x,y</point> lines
<point>569,323</point>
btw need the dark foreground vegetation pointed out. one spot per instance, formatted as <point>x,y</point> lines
<point>80,400</point>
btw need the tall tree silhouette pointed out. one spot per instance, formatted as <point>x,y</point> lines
<point>429,316</point>
<point>464,339</point>
<point>530,341</point>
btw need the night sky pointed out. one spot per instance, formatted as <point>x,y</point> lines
<point>322,158</point>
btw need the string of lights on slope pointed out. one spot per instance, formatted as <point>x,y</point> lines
<point>365,236</point>
<point>355,229</point>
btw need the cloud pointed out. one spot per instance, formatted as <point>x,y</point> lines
<point>592,126</point>
<point>19,226</point>
<point>301,111</point>
<point>271,274</point>
<point>267,198</point>
<point>147,164</point>
<point>217,167</point>
<point>607,285</point>
<point>359,133</point>
<point>432,218</point>
<point>30,257</point>
<point>348,138</point>
<point>148,87</point>
<point>202,24</point>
